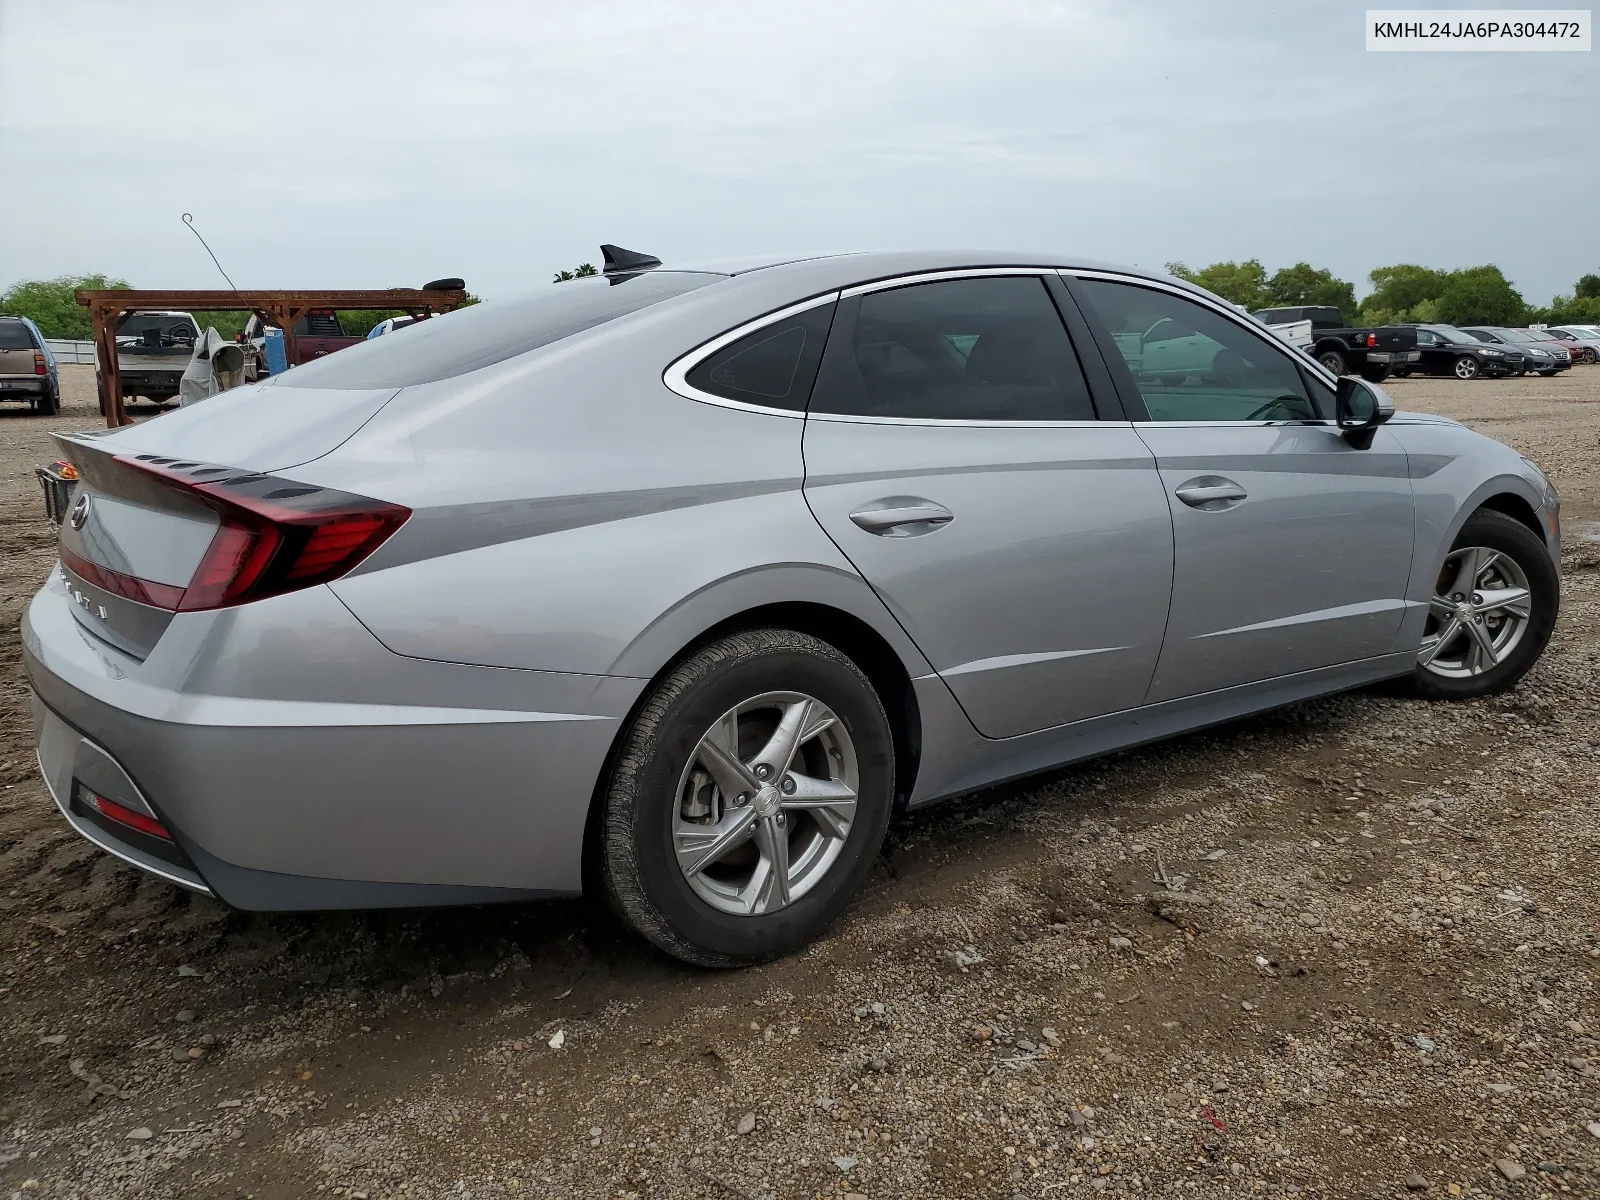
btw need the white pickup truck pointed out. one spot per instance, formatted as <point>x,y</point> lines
<point>153,351</point>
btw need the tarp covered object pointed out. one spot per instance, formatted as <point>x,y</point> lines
<point>215,366</point>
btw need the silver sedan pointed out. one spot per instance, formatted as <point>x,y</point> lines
<point>672,585</point>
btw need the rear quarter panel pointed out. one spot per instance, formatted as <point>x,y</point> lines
<point>571,513</point>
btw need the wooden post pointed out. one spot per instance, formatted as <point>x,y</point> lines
<point>105,329</point>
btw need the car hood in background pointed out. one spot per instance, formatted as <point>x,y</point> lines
<point>258,428</point>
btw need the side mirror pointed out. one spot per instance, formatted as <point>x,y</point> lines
<point>1361,408</point>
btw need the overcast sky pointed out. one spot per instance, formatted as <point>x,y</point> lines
<point>348,144</point>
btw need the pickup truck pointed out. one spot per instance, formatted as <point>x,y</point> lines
<point>316,334</point>
<point>1371,353</point>
<point>153,351</point>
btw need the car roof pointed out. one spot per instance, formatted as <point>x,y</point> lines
<point>879,263</point>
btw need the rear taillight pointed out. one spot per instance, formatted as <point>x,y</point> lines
<point>1372,340</point>
<point>40,367</point>
<point>273,536</point>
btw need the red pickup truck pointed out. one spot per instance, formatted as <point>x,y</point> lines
<point>315,334</point>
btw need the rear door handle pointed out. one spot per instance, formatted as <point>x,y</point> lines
<point>1210,493</point>
<point>902,516</point>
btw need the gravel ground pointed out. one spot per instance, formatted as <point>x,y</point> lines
<point>1377,980</point>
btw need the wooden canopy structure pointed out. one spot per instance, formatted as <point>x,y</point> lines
<point>283,309</point>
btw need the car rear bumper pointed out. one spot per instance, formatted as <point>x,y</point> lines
<point>275,804</point>
<point>23,385</point>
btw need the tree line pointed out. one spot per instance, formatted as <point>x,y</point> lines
<point>1401,294</point>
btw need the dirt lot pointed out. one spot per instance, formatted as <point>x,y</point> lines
<point>1378,981</point>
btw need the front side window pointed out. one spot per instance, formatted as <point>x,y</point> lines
<point>774,366</point>
<point>983,349</point>
<point>1426,337</point>
<point>1193,364</point>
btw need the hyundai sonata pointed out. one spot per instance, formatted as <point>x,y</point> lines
<point>675,583</point>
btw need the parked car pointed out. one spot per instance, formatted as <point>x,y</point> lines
<point>390,324</point>
<point>317,334</point>
<point>153,351</point>
<point>1447,350</point>
<point>1370,352</point>
<point>475,617</point>
<point>27,367</point>
<point>1542,356</point>
<point>1583,344</point>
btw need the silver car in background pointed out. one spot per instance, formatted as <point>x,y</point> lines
<point>673,584</point>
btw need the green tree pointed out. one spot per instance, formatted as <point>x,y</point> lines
<point>1402,287</point>
<point>1588,288</point>
<point>1242,283</point>
<point>50,305</point>
<point>1303,284</point>
<point>581,271</point>
<point>1481,296</point>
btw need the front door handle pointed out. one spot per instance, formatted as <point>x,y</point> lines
<point>1210,493</point>
<point>902,516</point>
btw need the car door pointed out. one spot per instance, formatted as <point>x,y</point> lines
<point>954,454</point>
<point>1435,358</point>
<point>1292,547</point>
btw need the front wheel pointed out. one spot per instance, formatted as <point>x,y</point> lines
<point>747,799</point>
<point>1547,374</point>
<point>1466,367</point>
<point>1493,610</point>
<point>1588,356</point>
<point>1376,373</point>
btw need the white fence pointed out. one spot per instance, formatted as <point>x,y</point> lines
<point>67,351</point>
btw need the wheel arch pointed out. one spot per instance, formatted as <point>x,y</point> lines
<point>872,640</point>
<point>1515,507</point>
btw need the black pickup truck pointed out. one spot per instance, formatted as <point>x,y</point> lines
<point>1371,353</point>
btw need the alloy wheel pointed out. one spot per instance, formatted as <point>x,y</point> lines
<point>1466,367</point>
<point>765,804</point>
<point>1478,615</point>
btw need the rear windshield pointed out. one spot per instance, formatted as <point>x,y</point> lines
<point>14,335</point>
<point>484,334</point>
<point>136,325</point>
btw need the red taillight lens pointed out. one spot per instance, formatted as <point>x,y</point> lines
<point>1372,340</point>
<point>123,815</point>
<point>40,367</point>
<point>273,536</point>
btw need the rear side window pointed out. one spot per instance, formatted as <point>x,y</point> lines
<point>985,349</point>
<point>774,367</point>
<point>14,335</point>
<point>484,334</point>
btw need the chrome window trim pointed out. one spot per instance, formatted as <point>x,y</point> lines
<point>675,374</point>
<point>852,419</point>
<point>1258,331</point>
<point>899,281</point>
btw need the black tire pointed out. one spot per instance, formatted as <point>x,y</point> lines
<point>1511,537</point>
<point>1588,356</point>
<point>1466,367</point>
<point>1334,362</point>
<point>1547,374</point>
<point>635,853</point>
<point>49,404</point>
<point>1375,373</point>
<point>1405,374</point>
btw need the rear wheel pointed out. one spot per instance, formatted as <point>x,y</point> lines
<point>1376,373</point>
<point>1493,609</point>
<point>1334,361</point>
<point>1402,373</point>
<point>747,800</point>
<point>48,403</point>
<point>1466,367</point>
